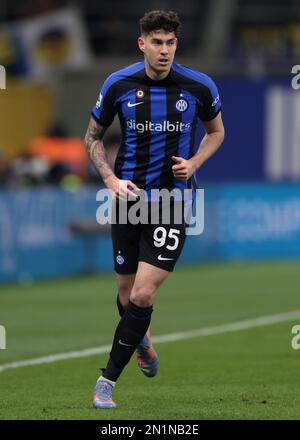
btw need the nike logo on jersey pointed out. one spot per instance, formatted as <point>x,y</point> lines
<point>163,258</point>
<point>134,104</point>
<point>123,343</point>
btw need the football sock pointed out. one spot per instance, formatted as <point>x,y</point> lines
<point>120,307</point>
<point>129,332</point>
<point>106,380</point>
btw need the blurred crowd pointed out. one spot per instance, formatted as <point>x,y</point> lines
<point>43,168</point>
<point>43,40</point>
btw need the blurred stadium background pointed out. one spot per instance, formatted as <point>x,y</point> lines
<point>56,54</point>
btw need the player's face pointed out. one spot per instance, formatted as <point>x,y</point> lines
<point>159,48</point>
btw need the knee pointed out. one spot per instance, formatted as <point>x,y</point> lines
<point>143,296</point>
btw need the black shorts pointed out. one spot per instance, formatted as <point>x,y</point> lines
<point>158,244</point>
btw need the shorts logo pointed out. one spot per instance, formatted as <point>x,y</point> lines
<point>119,259</point>
<point>181,105</point>
<point>161,258</point>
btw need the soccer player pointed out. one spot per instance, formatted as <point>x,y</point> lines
<point>159,104</point>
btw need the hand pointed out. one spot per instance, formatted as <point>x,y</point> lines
<point>184,169</point>
<point>119,188</point>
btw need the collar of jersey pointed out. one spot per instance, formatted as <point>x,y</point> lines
<point>163,82</point>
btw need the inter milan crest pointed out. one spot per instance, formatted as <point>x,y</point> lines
<point>140,94</point>
<point>181,105</point>
<point>120,260</point>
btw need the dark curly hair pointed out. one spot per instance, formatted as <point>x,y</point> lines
<point>155,20</point>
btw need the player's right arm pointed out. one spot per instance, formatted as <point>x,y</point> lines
<point>95,149</point>
<point>97,154</point>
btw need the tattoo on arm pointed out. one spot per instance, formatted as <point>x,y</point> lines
<point>95,148</point>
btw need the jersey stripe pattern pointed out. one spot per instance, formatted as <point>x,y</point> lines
<point>158,120</point>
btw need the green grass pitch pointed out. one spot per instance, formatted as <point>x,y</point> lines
<point>248,374</point>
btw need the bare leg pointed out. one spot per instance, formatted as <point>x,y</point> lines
<point>125,284</point>
<point>147,281</point>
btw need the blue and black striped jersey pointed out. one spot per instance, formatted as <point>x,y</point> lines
<point>158,120</point>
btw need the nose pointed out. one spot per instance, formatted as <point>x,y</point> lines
<point>164,49</point>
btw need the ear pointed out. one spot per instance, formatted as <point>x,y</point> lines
<point>141,43</point>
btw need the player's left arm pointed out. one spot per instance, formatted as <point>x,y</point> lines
<point>214,136</point>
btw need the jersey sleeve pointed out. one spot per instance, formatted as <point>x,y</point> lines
<point>210,103</point>
<point>104,110</point>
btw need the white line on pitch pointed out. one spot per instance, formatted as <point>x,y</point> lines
<point>206,331</point>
